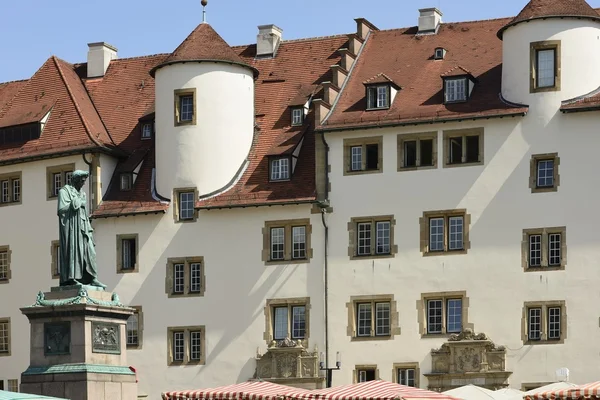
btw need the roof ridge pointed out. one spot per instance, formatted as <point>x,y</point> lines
<point>475,21</point>
<point>82,63</point>
<point>15,81</point>
<point>308,39</point>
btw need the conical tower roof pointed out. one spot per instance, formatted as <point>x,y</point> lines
<point>203,44</point>
<point>543,9</point>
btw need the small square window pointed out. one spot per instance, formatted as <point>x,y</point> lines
<point>127,253</point>
<point>463,148</point>
<point>365,373</point>
<point>297,116</point>
<point>378,97</point>
<point>57,177</point>
<point>185,277</point>
<point>147,129</point>
<point>544,248</point>
<point>439,53</point>
<point>544,173</point>
<point>363,155</point>
<point>280,169</point>
<point>287,318</point>
<point>186,345</point>
<point>184,210</point>
<point>444,232</point>
<point>407,374</point>
<point>443,313</point>
<point>456,90</point>
<point>373,237</point>
<point>544,322</point>
<point>126,181</point>
<point>185,107</point>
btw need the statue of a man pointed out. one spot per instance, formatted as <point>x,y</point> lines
<point>77,252</point>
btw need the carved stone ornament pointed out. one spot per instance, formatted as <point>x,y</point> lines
<point>106,338</point>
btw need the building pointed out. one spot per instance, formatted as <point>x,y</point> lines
<point>402,197</point>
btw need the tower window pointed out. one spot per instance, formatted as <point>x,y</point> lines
<point>185,107</point>
<point>545,66</point>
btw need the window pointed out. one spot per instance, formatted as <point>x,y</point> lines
<point>544,175</point>
<point>126,181</point>
<point>372,237</point>
<point>5,273</point>
<point>365,373</point>
<point>287,241</point>
<point>439,54</point>
<point>135,329</point>
<point>127,253</point>
<point>13,385</point>
<point>4,337</point>
<point>297,116</point>
<point>185,277</point>
<point>407,374</point>
<point>545,66</point>
<point>363,155</point>
<point>544,322</point>
<point>463,147</point>
<point>443,313</point>
<point>147,130</point>
<point>185,205</point>
<point>10,189</point>
<point>280,169</point>
<point>187,345</point>
<point>185,107</point>
<point>372,317</point>
<point>55,263</point>
<point>378,97</point>
<point>445,232</point>
<point>57,177</point>
<point>544,249</point>
<point>418,151</point>
<point>456,90</point>
<point>287,318</point>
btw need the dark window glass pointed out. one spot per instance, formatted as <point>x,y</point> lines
<point>455,150</point>
<point>472,149</point>
<point>427,152</point>
<point>372,156</point>
<point>410,153</point>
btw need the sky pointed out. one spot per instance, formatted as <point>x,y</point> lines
<point>34,30</point>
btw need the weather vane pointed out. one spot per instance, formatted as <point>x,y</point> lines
<point>204,3</point>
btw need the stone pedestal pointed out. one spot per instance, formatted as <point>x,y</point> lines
<point>78,346</point>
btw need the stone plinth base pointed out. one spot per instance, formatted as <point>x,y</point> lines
<point>78,346</point>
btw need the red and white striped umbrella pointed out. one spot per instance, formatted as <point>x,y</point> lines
<point>254,390</point>
<point>587,391</point>
<point>374,390</point>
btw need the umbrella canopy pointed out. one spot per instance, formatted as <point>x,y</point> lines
<point>589,390</point>
<point>510,394</point>
<point>254,390</point>
<point>471,392</point>
<point>537,392</point>
<point>4,395</point>
<point>379,390</point>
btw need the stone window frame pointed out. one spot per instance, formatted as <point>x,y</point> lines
<point>169,284</point>
<point>6,320</point>
<point>12,385</point>
<point>395,329</point>
<point>186,335</point>
<point>140,331</point>
<point>353,239</point>
<point>444,296</point>
<point>363,367</point>
<point>544,232</point>
<point>178,93</point>
<point>9,271</point>
<point>54,256</point>
<point>176,193</point>
<point>446,214</point>
<point>56,169</point>
<point>544,305</point>
<point>407,365</point>
<point>136,267</point>
<point>535,158</point>
<point>362,141</point>
<point>463,133</point>
<point>534,47</point>
<point>271,304</point>
<point>11,177</point>
<point>401,138</point>
<point>287,224</point>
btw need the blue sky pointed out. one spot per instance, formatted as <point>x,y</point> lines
<point>33,30</point>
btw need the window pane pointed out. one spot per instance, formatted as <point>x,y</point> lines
<point>16,190</point>
<point>68,177</point>
<point>297,116</point>
<point>356,162</point>
<point>56,183</point>
<point>436,234</point>
<point>186,205</point>
<point>535,323</point>
<point>383,237</point>
<point>455,148</point>
<point>178,346</point>
<point>178,278</point>
<point>3,265</point>
<point>126,181</point>
<point>299,242</point>
<point>280,169</point>
<point>472,149</point>
<point>456,89</point>
<point>426,153</point>
<point>298,322</point>
<point>410,153</point>
<point>406,377</point>
<point>545,68</point>
<point>554,323</point>
<point>147,130</point>
<point>372,156</point>
<point>128,253</point>
<point>5,191</point>
<point>364,239</point>
<point>4,344</point>
<point>554,240</point>
<point>382,321</point>
<point>195,345</point>
<point>277,243</point>
<point>195,277</point>
<point>434,316</point>
<point>454,316</point>
<point>363,319</point>
<point>132,330</point>
<point>280,323</point>
<point>382,96</point>
<point>545,173</point>
<point>535,250</point>
<point>186,108</point>
<point>456,233</point>
<point>371,97</point>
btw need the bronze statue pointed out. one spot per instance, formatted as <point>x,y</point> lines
<point>77,252</point>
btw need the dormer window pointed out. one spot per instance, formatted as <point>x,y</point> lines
<point>126,181</point>
<point>378,97</point>
<point>147,129</point>
<point>280,169</point>
<point>297,116</point>
<point>456,90</point>
<point>439,53</point>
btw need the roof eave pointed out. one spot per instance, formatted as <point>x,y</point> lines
<point>127,214</point>
<point>580,109</point>
<point>263,204</point>
<point>241,64</point>
<point>63,153</point>
<point>513,23</point>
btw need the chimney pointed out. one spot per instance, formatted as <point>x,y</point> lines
<point>268,40</point>
<point>99,56</point>
<point>429,21</point>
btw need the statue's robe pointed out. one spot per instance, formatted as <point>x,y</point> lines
<point>77,253</point>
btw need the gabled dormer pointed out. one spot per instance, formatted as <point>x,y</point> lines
<point>458,85</point>
<point>300,104</point>
<point>380,92</point>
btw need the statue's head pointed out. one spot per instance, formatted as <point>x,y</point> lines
<point>78,178</point>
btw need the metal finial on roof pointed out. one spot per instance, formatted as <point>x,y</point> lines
<point>204,4</point>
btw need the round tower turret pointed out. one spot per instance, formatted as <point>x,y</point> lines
<point>204,114</point>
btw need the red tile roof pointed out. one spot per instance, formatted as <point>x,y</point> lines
<point>537,9</point>
<point>589,102</point>
<point>380,78</point>
<point>8,90</point>
<point>456,71</point>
